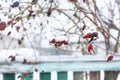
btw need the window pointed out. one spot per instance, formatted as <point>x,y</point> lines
<point>8,76</point>
<point>45,76</point>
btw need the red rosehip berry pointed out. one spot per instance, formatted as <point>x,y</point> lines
<point>88,35</point>
<point>109,58</point>
<point>90,47</point>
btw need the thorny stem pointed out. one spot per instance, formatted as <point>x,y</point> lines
<point>94,22</point>
<point>71,28</point>
<point>75,24</point>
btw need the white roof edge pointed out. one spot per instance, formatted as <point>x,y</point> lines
<point>36,56</point>
<point>68,58</point>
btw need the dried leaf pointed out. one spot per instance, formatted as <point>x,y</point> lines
<point>19,42</point>
<point>31,76</point>
<point>84,27</point>
<point>34,1</point>
<point>22,38</point>
<point>18,18</point>
<point>10,22</point>
<point>10,56</point>
<point>30,11</point>
<point>74,0</point>
<point>36,70</point>
<point>49,12</point>
<point>19,76</point>
<point>9,33</point>
<point>85,1</point>
<point>15,4</point>
<point>2,26</point>
<point>75,14</point>
<point>24,61</point>
<point>17,28</point>
<point>24,29</point>
<point>13,58</point>
<point>94,36</point>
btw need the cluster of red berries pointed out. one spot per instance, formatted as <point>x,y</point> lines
<point>58,44</point>
<point>90,36</point>
<point>25,61</point>
<point>93,36</point>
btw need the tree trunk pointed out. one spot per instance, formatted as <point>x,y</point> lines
<point>95,75</point>
<point>111,75</point>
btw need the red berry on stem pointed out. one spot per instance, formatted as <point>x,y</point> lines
<point>58,44</point>
<point>53,41</point>
<point>64,42</point>
<point>88,35</point>
<point>90,47</point>
<point>110,58</point>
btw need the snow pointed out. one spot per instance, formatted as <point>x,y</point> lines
<point>39,38</point>
<point>21,54</point>
<point>33,55</point>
